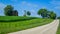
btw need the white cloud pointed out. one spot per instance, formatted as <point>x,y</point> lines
<point>35,5</point>
<point>56,4</point>
<point>2,6</point>
<point>29,4</point>
<point>57,7</point>
<point>24,2</point>
<point>1,9</point>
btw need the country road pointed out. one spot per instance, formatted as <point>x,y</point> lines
<point>45,29</point>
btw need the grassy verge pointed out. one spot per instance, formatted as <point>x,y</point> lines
<point>6,27</point>
<point>58,31</point>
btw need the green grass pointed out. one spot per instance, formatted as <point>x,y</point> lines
<point>58,31</point>
<point>6,27</point>
<point>14,18</point>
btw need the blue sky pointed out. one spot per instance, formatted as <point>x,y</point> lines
<point>31,5</point>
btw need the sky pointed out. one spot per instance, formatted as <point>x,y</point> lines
<point>31,5</point>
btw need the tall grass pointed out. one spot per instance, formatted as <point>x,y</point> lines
<point>58,31</point>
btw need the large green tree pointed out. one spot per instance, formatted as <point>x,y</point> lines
<point>52,15</point>
<point>43,13</point>
<point>8,10</point>
<point>28,13</point>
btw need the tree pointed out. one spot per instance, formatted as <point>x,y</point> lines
<point>43,13</point>
<point>15,13</point>
<point>52,15</point>
<point>58,17</point>
<point>8,10</point>
<point>28,13</point>
<point>24,13</point>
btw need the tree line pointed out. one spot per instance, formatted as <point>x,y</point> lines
<point>9,11</point>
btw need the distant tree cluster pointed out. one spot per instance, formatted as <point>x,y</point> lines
<point>9,11</point>
<point>27,13</point>
<point>58,17</point>
<point>46,14</point>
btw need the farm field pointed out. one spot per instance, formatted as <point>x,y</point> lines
<point>14,18</point>
<point>7,26</point>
